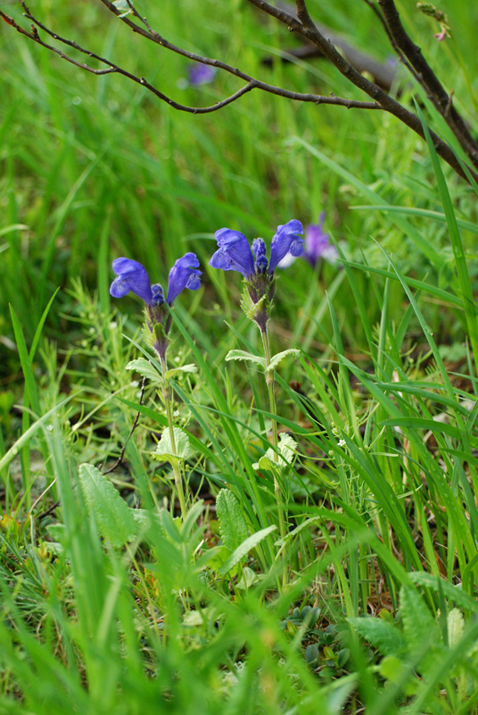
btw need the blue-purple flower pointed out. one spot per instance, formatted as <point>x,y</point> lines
<point>317,245</point>
<point>234,254</point>
<point>201,74</point>
<point>133,277</point>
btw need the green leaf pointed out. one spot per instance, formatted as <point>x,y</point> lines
<point>243,355</point>
<point>249,577</point>
<point>183,448</point>
<point>418,623</point>
<point>271,460</point>
<point>382,635</point>
<point>178,370</point>
<point>114,518</point>
<point>145,369</point>
<point>244,549</point>
<point>276,359</point>
<point>455,594</point>
<point>456,627</point>
<point>393,669</point>
<point>232,525</point>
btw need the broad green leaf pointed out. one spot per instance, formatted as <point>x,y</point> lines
<point>271,460</point>
<point>455,594</point>
<point>382,635</point>
<point>393,669</point>
<point>244,549</point>
<point>114,518</point>
<point>418,623</point>
<point>276,359</point>
<point>178,370</point>
<point>456,627</point>
<point>144,518</point>
<point>232,525</point>
<point>249,577</point>
<point>243,355</point>
<point>145,369</point>
<point>181,450</point>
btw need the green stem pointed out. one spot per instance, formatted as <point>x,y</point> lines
<point>167,397</point>
<point>270,380</point>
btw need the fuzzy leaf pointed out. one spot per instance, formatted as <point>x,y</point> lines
<point>276,359</point>
<point>145,369</point>
<point>232,525</point>
<point>249,577</point>
<point>418,623</point>
<point>271,460</point>
<point>382,635</point>
<point>114,518</point>
<point>244,549</point>
<point>178,370</point>
<point>455,594</point>
<point>165,451</point>
<point>144,518</point>
<point>243,355</point>
<point>456,626</point>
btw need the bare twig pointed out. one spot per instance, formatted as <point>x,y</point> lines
<point>135,424</point>
<point>304,26</point>
<point>386,102</point>
<point>436,91</point>
<point>114,68</point>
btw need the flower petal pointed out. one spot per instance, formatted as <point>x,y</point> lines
<point>288,239</point>
<point>131,277</point>
<point>234,253</point>
<point>183,275</point>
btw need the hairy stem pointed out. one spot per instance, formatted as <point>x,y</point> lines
<point>270,380</point>
<point>168,401</point>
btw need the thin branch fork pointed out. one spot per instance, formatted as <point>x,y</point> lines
<point>304,26</point>
<point>252,83</point>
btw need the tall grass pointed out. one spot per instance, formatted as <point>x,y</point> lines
<point>109,603</point>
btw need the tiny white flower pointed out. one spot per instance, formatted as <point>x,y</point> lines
<point>113,325</point>
<point>49,428</point>
<point>341,443</point>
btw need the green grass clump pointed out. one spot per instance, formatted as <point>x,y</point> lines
<point>113,603</point>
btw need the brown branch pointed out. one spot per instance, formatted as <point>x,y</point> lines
<point>305,28</point>
<point>114,68</point>
<point>436,91</point>
<point>382,75</point>
<point>345,68</point>
<point>135,424</point>
<point>391,39</point>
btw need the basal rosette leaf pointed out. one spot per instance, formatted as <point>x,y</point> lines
<point>114,518</point>
<point>232,525</point>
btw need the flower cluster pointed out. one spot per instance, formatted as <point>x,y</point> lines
<point>133,277</point>
<point>235,254</point>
